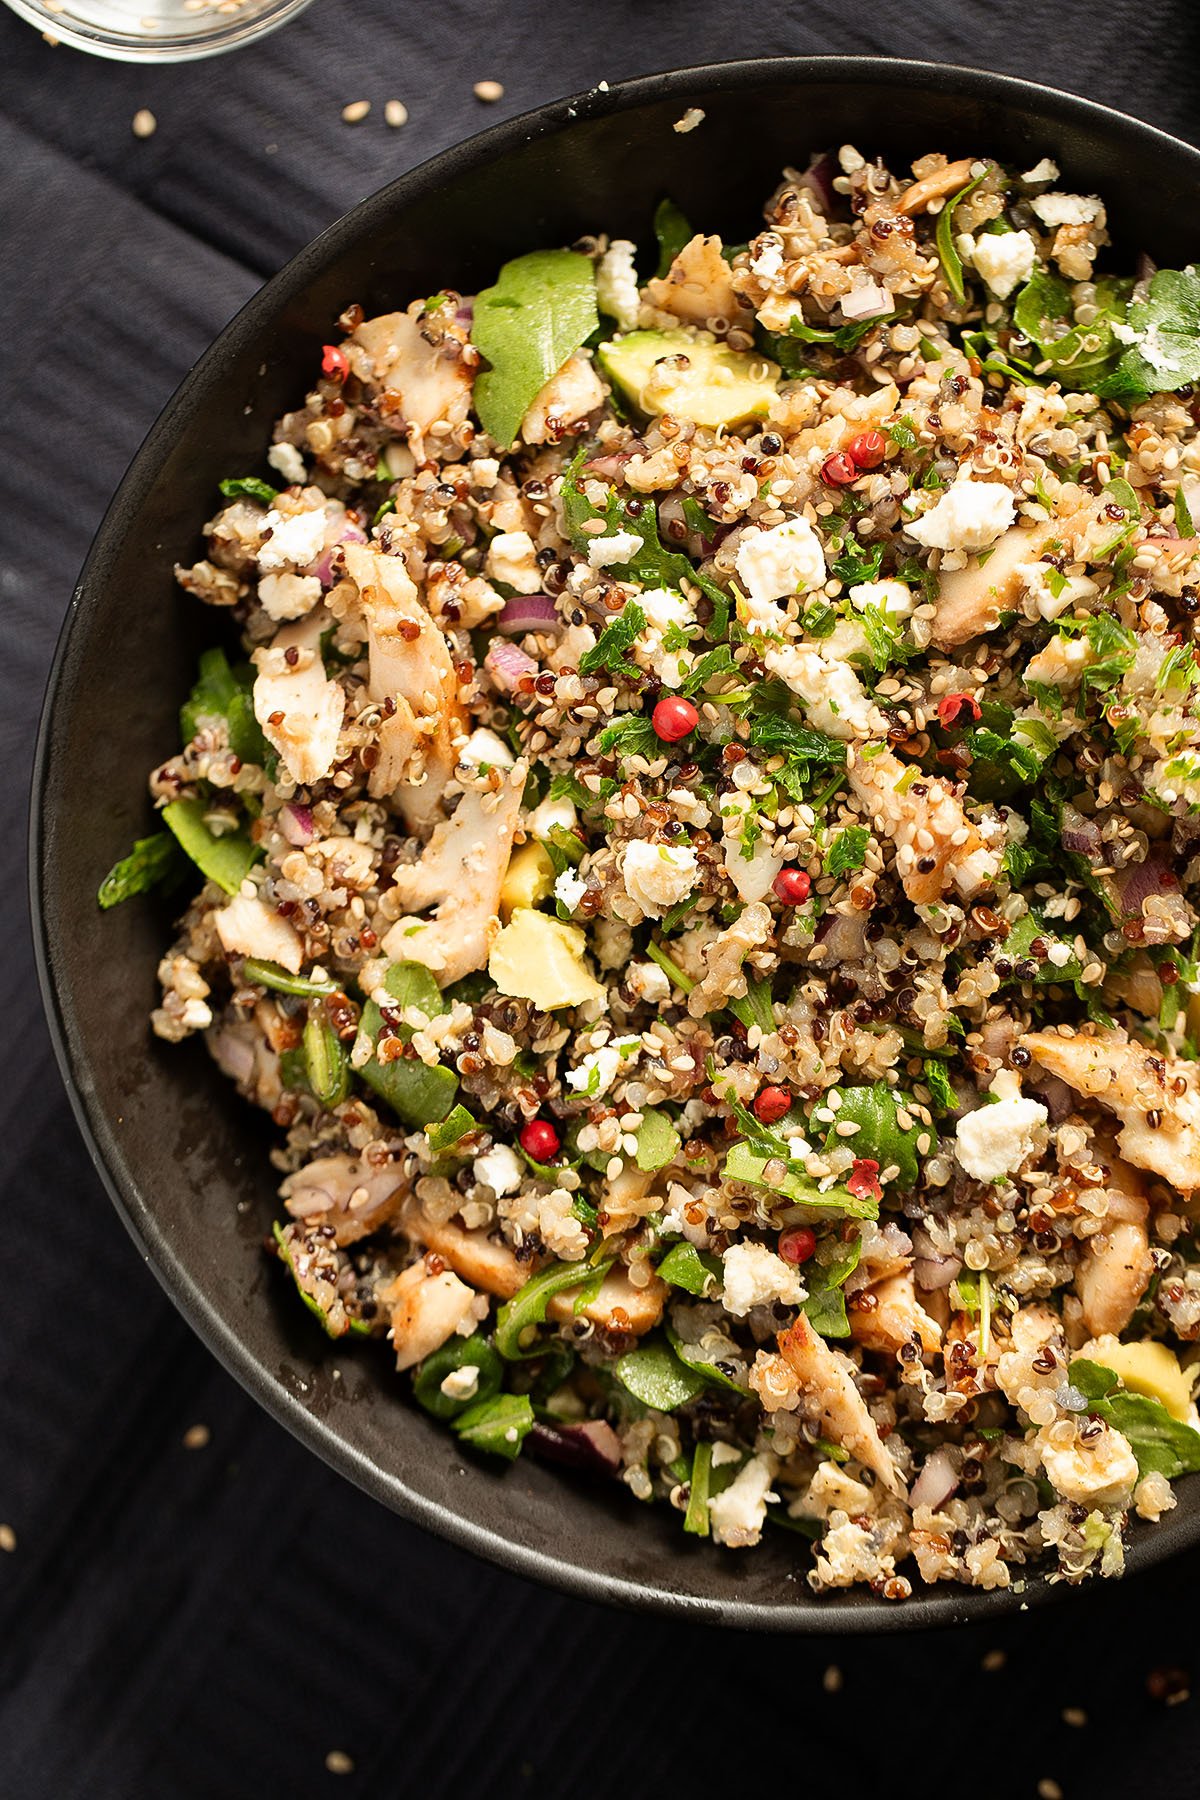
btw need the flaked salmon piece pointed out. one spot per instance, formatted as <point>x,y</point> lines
<point>343,1192</point>
<point>298,707</point>
<point>898,1318</point>
<point>1155,1096</point>
<point>428,1306</point>
<point>827,1386</point>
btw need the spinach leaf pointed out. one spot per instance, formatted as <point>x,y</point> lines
<point>499,1426</point>
<point>842,338</point>
<point>654,1375</point>
<point>658,1142</point>
<point>672,232</point>
<point>227,860</point>
<point>848,850</point>
<point>460,1353</point>
<point>541,308</point>
<point>744,1162</point>
<point>826,1304</point>
<point>1161,1443</point>
<point>612,647</point>
<point>249,487</point>
<point>457,1123</point>
<point>652,563</point>
<point>947,250</point>
<point>1081,356</point>
<point>528,1305</point>
<point>226,695</point>
<point>695,1519</point>
<point>151,861</point>
<point>880,1136</point>
<point>418,1093</point>
<point>690,1269</point>
<point>1166,352</point>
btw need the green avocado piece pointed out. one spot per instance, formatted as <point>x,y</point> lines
<point>691,376</point>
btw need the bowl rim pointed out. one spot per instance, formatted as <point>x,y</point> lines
<point>936,1607</point>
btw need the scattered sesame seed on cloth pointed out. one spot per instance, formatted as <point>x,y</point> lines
<point>356,111</point>
<point>488,91</point>
<point>144,123</point>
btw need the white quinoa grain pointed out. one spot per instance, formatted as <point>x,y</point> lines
<point>144,123</point>
<point>488,91</point>
<point>692,117</point>
<point>395,113</point>
<point>356,111</point>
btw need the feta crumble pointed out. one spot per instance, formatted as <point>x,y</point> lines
<point>569,888</point>
<point>616,284</point>
<point>288,596</point>
<point>755,1276</point>
<point>1004,259</point>
<point>739,1514</point>
<point>295,540</point>
<point>893,597</point>
<point>500,1168</point>
<point>969,516</point>
<point>598,1070</point>
<point>512,559</point>
<point>1067,209</point>
<point>616,548</point>
<point>995,1139</point>
<point>659,876</point>
<point>287,461</point>
<point>786,560</point>
<point>483,747</point>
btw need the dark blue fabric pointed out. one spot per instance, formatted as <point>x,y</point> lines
<point>185,1623</point>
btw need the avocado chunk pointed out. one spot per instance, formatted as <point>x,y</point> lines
<point>691,376</point>
<point>539,958</point>
<point>528,879</point>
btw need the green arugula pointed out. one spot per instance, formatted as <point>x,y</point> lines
<point>249,487</point>
<point>880,1136</point>
<point>499,1426</point>
<point>1081,356</point>
<point>612,647</point>
<point>690,1269</point>
<point>848,851</point>
<point>656,1376</point>
<point>226,859</point>
<point>1166,352</point>
<point>540,310</point>
<point>226,695</point>
<point>947,250</point>
<point>672,232</point>
<point>748,1163</point>
<point>151,861</point>
<point>825,1281</point>
<point>652,563</point>
<point>1162,1444</point>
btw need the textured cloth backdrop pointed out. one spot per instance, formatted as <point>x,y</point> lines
<point>185,1622</point>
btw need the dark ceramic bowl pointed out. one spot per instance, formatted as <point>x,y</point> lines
<point>182,1157</point>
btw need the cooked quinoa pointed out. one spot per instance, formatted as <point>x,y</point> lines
<point>701,864</point>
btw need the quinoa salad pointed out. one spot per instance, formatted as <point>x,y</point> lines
<point>694,840</point>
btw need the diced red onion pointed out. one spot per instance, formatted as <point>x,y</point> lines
<point>591,1445</point>
<point>936,1482</point>
<point>1139,880</point>
<point>933,1268</point>
<point>507,664</point>
<point>609,467</point>
<point>842,936</point>
<point>528,612</point>
<point>1080,835</point>
<point>1144,271</point>
<point>1054,1094</point>
<point>818,178</point>
<point>296,824</point>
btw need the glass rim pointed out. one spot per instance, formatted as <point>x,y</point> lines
<point>224,33</point>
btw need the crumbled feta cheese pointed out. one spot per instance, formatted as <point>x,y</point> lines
<point>461,1384</point>
<point>836,700</point>
<point>1054,594</point>
<point>739,1514</point>
<point>294,542</point>
<point>1067,209</point>
<point>893,597</point>
<point>646,981</point>
<point>485,471</point>
<point>755,1276</point>
<point>969,516</point>
<point>484,747</point>
<point>1124,333</point>
<point>290,464</point>
<point>616,548</point>
<point>749,861</point>
<point>512,559</point>
<point>1156,353</point>
<point>1059,955</point>
<point>570,888</point>
<point>288,596</point>
<point>995,1139</point>
<point>500,1168</point>
<point>867,300</point>
<point>598,1070</point>
<point>617,285</point>
<point>1005,259</point>
<point>550,813</point>
<point>663,608</point>
<point>785,560</point>
<point>769,260</point>
<point>1046,170</point>
<point>658,876</point>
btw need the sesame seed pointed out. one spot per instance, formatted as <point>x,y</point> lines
<point>8,1539</point>
<point>993,1661</point>
<point>1049,1790</point>
<point>488,91</point>
<point>338,1763</point>
<point>356,111</point>
<point>832,1679</point>
<point>395,113</point>
<point>144,123</point>
<point>196,1437</point>
<point>1074,1715</point>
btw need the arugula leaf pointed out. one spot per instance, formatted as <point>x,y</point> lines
<point>541,308</point>
<point>225,694</point>
<point>418,1093</point>
<point>839,337</point>
<point>657,1377</point>
<point>947,250</point>
<point>672,232</point>
<point>695,1519</point>
<point>528,1305</point>
<point>856,563</point>
<point>457,1123</point>
<point>1166,353</point>
<point>249,487</point>
<point>1183,515</point>
<point>880,1135</point>
<point>826,1303</point>
<point>499,1426</point>
<point>1081,356</point>
<point>1161,1443</point>
<point>658,1142</point>
<point>848,850</point>
<point>151,861</point>
<point>941,1088</point>
<point>611,650</point>
<point>631,734</point>
<point>744,1162</point>
<point>690,1269</point>
<point>227,860</point>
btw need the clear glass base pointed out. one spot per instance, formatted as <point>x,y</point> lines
<point>156,30</point>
